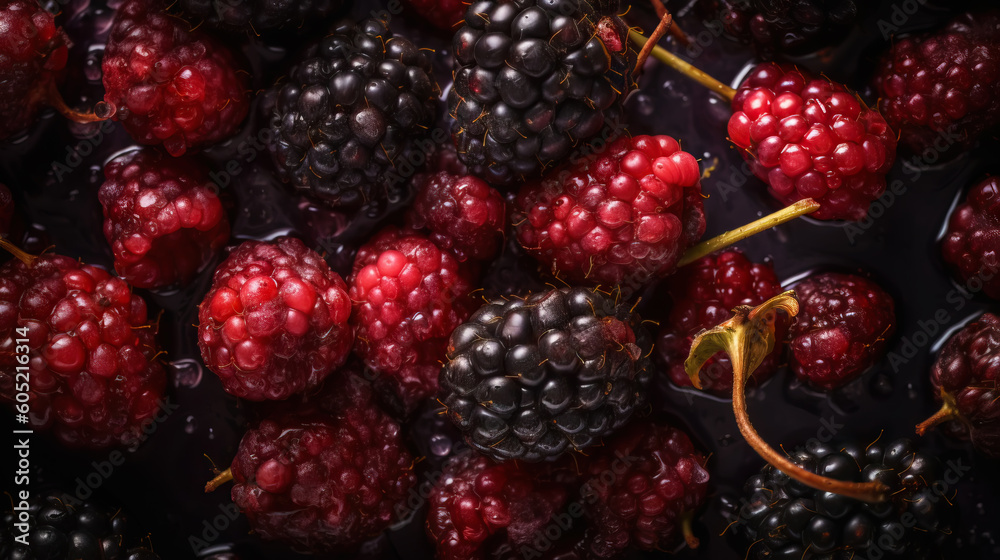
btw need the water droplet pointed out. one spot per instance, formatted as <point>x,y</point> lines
<point>190,425</point>
<point>211,433</point>
<point>440,445</point>
<point>105,110</point>
<point>726,440</point>
<point>643,104</point>
<point>187,373</point>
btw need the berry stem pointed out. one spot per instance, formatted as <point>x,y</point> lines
<point>220,479</point>
<point>748,337</point>
<point>726,239</point>
<point>56,100</point>
<point>686,529</point>
<point>665,23</point>
<point>26,258</point>
<point>675,30</point>
<point>948,411</point>
<point>684,67</point>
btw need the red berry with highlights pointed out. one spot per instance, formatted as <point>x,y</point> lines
<point>808,137</point>
<point>972,241</point>
<point>620,217</point>
<point>842,327</point>
<point>275,321</point>
<point>965,376</point>
<point>478,504</point>
<point>660,479</point>
<point>942,89</point>
<point>326,476</point>
<point>408,296</point>
<point>90,349</point>
<point>169,84</point>
<point>464,214</point>
<point>704,294</point>
<point>33,54</point>
<point>162,217</point>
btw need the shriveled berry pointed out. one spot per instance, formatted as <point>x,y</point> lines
<point>88,349</point>
<point>842,327</point>
<point>464,215</point>
<point>326,476</point>
<point>809,137</point>
<point>408,296</point>
<point>162,217</point>
<point>275,321</point>
<point>703,295</point>
<point>618,218</point>
<point>169,84</point>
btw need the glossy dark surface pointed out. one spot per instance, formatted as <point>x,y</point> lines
<point>160,483</point>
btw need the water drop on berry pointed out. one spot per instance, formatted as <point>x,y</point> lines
<point>440,445</point>
<point>187,373</point>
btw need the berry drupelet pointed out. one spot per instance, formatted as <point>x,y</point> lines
<point>971,243</point>
<point>33,54</point>
<point>358,104</point>
<point>660,480</point>
<point>275,321</point>
<point>784,519</point>
<point>942,89</point>
<point>702,294</point>
<point>408,297</point>
<point>534,81</point>
<point>478,502</point>
<point>530,378</point>
<point>965,378</point>
<point>59,530</point>
<point>169,84</point>
<point>327,476</point>
<point>464,215</point>
<point>618,218</point>
<point>162,218</point>
<point>784,26</point>
<point>841,330</point>
<point>254,16</point>
<point>88,348</point>
<point>809,137</point>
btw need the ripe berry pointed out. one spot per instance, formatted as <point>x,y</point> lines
<point>408,296</point>
<point>659,481</point>
<point>785,519</point>
<point>972,241</point>
<point>529,378</point>
<point>168,84</point>
<point>326,476</point>
<point>357,107</point>
<point>943,85</point>
<point>60,530</point>
<point>162,217</point>
<point>781,26</point>
<point>255,16</point>
<point>33,54</point>
<point>89,349</point>
<point>841,329</point>
<point>621,217</point>
<point>275,321</point>
<point>965,378</point>
<point>809,137</point>
<point>477,504</point>
<point>464,214</point>
<point>534,82</point>
<point>703,295</point>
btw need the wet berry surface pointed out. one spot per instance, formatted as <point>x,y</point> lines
<point>55,170</point>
